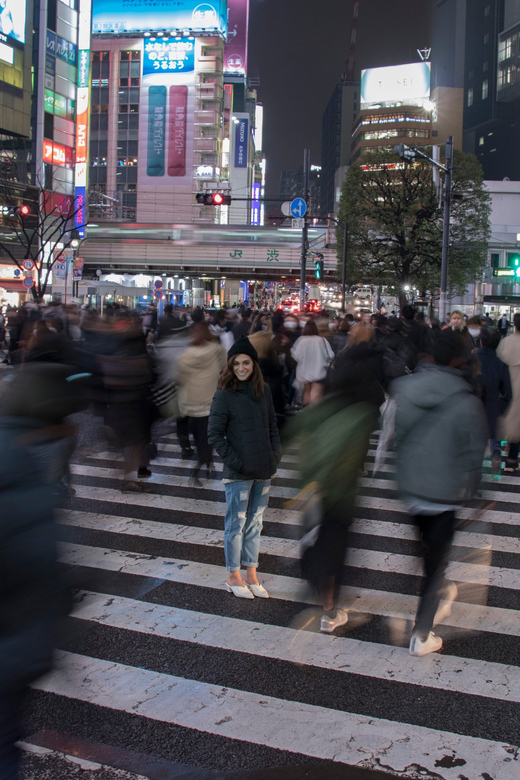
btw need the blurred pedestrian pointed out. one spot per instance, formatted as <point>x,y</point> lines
<point>242,428</point>
<point>339,337</point>
<point>243,326</point>
<point>495,390</point>
<point>456,323</point>
<point>198,371</point>
<point>503,326</point>
<point>509,352</point>
<point>313,355</point>
<point>441,436</point>
<point>333,439</point>
<point>35,440</point>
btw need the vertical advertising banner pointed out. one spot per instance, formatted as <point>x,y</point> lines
<point>166,116</point>
<point>82,117</point>
<point>235,50</point>
<point>177,136</point>
<point>241,142</point>
<point>156,130</point>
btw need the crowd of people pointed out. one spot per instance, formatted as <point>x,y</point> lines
<point>243,384</point>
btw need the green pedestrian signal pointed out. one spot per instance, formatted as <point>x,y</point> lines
<point>318,273</point>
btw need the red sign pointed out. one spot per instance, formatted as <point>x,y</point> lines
<point>158,294</point>
<point>158,284</point>
<point>28,282</point>
<point>177,131</point>
<point>57,154</point>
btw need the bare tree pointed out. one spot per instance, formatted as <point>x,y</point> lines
<point>36,234</point>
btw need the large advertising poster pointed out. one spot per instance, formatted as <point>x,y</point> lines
<point>153,16</point>
<point>241,142</point>
<point>166,118</point>
<point>235,50</point>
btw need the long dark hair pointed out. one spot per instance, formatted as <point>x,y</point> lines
<point>228,380</point>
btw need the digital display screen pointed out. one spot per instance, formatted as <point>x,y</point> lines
<point>405,84</point>
<point>12,19</point>
<point>150,16</point>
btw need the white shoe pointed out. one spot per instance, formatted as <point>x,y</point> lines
<point>257,590</point>
<point>240,591</point>
<point>446,605</point>
<point>328,624</point>
<point>419,647</point>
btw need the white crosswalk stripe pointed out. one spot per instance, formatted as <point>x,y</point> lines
<point>172,537</point>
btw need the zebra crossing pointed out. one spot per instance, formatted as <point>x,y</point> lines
<point>160,658</point>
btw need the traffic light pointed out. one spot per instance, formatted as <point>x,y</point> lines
<point>404,152</point>
<point>213,198</point>
<point>318,273</point>
<point>22,211</point>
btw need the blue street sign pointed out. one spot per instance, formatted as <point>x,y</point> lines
<point>298,207</point>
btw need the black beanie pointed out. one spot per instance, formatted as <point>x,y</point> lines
<point>243,346</point>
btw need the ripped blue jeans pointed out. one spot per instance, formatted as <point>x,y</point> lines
<point>246,502</point>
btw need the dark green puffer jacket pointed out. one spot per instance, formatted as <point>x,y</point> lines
<point>243,431</point>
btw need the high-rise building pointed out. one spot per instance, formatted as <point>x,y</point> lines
<point>492,94</point>
<point>336,139</point>
<point>171,113</point>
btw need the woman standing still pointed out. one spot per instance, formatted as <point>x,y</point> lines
<point>242,429</point>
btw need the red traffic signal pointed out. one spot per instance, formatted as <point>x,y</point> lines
<point>21,211</point>
<point>213,198</point>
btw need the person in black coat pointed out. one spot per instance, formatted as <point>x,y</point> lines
<point>496,390</point>
<point>242,429</point>
<point>35,445</point>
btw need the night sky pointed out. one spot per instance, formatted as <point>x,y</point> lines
<point>298,48</point>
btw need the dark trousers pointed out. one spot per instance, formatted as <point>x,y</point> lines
<point>183,432</point>
<point>9,734</point>
<point>198,427</point>
<point>322,564</point>
<point>513,451</point>
<point>437,535</point>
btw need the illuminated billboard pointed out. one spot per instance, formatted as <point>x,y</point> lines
<point>135,16</point>
<point>408,85</point>
<point>12,20</point>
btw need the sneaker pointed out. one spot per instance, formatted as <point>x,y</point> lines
<point>143,472</point>
<point>328,624</point>
<point>419,647</point>
<point>511,466</point>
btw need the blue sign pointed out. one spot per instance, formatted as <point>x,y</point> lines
<point>154,16</point>
<point>298,207</point>
<point>241,141</point>
<point>169,55</point>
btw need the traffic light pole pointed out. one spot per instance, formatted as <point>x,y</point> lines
<point>306,169</point>
<point>409,153</point>
<point>443,302</point>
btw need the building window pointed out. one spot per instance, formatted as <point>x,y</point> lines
<point>485,89</point>
<point>486,38</point>
<point>485,66</point>
<point>469,100</point>
<point>481,141</point>
<point>487,10</point>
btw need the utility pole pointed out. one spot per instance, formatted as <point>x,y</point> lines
<point>443,303</point>
<point>306,169</point>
